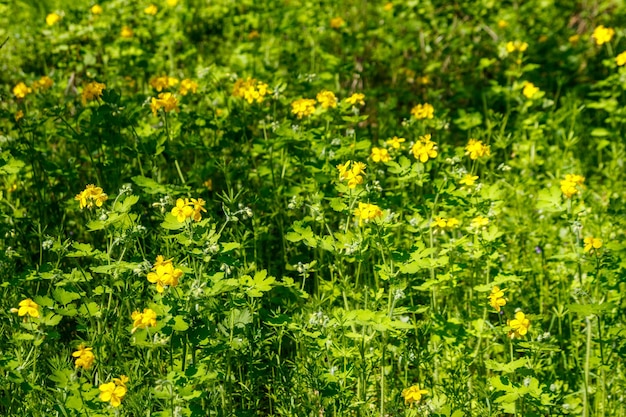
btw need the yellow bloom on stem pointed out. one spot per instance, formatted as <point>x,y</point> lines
<point>502,24</point>
<point>163,82</point>
<point>96,9</point>
<point>27,307</point>
<point>395,142</point>
<point>388,7</point>
<point>366,212</point>
<point>518,46</point>
<point>19,115</point>
<point>91,195</point>
<point>380,155</point>
<point>602,35</point>
<point>112,393</point>
<point>166,101</point>
<point>423,111</point>
<point>84,357</point>
<point>92,91</point>
<point>143,320</point>
<point>479,221</point>
<point>570,186</point>
<point>250,90</point>
<point>121,381</point>
<point>172,3</point>
<point>21,89</point>
<point>477,149</point>
<point>187,86</point>
<point>198,208</point>
<point>352,172</point>
<point>620,60</point>
<point>356,98</point>
<point>43,83</point>
<point>424,149</point>
<point>303,107</point>
<point>164,274</point>
<point>519,325</point>
<point>327,99</point>
<point>591,244</point>
<point>413,394</point>
<point>126,32</point>
<point>468,179</point>
<point>444,223</point>
<point>337,22</point>
<point>183,210</point>
<point>496,298</point>
<point>530,90</point>
<point>151,10</point>
<point>52,18</point>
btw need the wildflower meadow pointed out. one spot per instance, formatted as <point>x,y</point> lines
<point>312,208</point>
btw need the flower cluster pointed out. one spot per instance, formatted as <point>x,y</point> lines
<point>519,325</point>
<point>620,60</point>
<point>114,391</point>
<point>591,244</point>
<point>27,307</point>
<point>356,98</point>
<point>423,111</point>
<point>366,212</point>
<point>187,86</point>
<point>96,9</point>
<point>164,274</point>
<point>143,320</point>
<point>165,101</point>
<point>127,32</point>
<point>250,90</point>
<point>602,35</point>
<point>21,90</point>
<point>530,90</point>
<point>479,221</point>
<point>91,195</point>
<point>337,22</point>
<point>52,18</point>
<point>380,155</point>
<point>43,83</point>
<point>189,209</point>
<point>413,394</point>
<point>514,46</point>
<point>303,107</point>
<point>163,82</point>
<point>151,10</point>
<point>92,91</point>
<point>477,149</point>
<point>327,99</point>
<point>395,142</point>
<point>352,172</point>
<point>468,179</point>
<point>424,149</point>
<point>444,223</point>
<point>496,298</point>
<point>84,357</point>
<point>570,186</point>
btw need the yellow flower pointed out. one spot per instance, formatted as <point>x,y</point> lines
<point>356,98</point>
<point>602,34</point>
<point>496,298</point>
<point>502,24</point>
<point>182,210</point>
<point>19,115</point>
<point>530,90</point>
<point>327,99</point>
<point>468,179</point>
<point>388,6</point>
<point>96,9</point>
<point>127,32</point>
<point>443,223</point>
<point>424,149</point>
<point>121,381</point>
<point>440,222</point>
<point>92,91</point>
<point>516,46</point>
<point>479,221</point>
<point>519,325</point>
<point>354,174</point>
<point>52,18</point>
<point>592,243</point>
<point>574,39</point>
<point>21,89</point>
<point>303,107</point>
<point>27,306</point>
<point>198,208</point>
<point>571,185</point>
<point>112,393</point>
<point>477,149</point>
<point>84,357</point>
<point>395,142</point>
<point>164,273</point>
<point>620,60</point>
<point>380,155</point>
<point>172,3</point>
<point>187,86</point>
<point>91,195</point>
<point>413,394</point>
<point>43,83</point>
<point>337,22</point>
<point>366,212</point>
<point>151,10</point>
<point>143,320</point>
<point>163,82</point>
<point>423,111</point>
<point>250,90</point>
<point>166,101</point>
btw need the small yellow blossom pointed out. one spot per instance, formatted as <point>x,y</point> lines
<point>423,111</point>
<point>530,90</point>
<point>121,381</point>
<point>380,155</point>
<point>479,221</point>
<point>518,46</point>
<point>19,115</point>
<point>424,149</point>
<point>468,179</point>
<point>602,35</point>
<point>21,89</point>
<point>163,82</point>
<point>198,208</point>
<point>352,172</point>
<point>166,101</point>
<point>395,142</point>
<point>502,24</point>
<point>172,3</point>
<point>27,307</point>
<point>43,83</point>
<point>337,22</point>
<point>571,184</point>
<point>496,298</point>
<point>591,244</point>
<point>187,86</point>
<point>444,223</point>
<point>92,91</point>
<point>413,394</point>
<point>52,18</point>
<point>574,39</point>
<point>91,195</point>
<point>96,9</point>
<point>183,210</point>
<point>366,212</point>
<point>151,10</point>
<point>356,98</point>
<point>388,6</point>
<point>303,107</point>
<point>84,357</point>
<point>620,60</point>
<point>519,325</point>
<point>127,32</point>
<point>250,90</point>
<point>477,149</point>
<point>143,320</point>
<point>112,393</point>
<point>326,99</point>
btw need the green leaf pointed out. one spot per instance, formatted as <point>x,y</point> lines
<point>64,297</point>
<point>506,368</point>
<point>179,324</point>
<point>172,223</point>
<point>149,185</point>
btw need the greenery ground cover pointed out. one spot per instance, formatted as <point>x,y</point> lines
<point>299,208</point>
